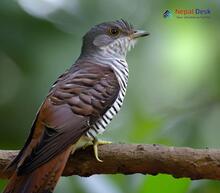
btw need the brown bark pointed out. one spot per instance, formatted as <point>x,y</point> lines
<point>138,158</point>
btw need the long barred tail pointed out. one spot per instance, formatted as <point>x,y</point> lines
<point>41,180</point>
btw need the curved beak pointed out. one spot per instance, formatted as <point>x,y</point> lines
<point>139,33</point>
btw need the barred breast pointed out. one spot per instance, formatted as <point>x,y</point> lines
<point>120,69</point>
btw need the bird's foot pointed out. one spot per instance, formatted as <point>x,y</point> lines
<point>83,143</point>
<point>89,143</point>
<point>96,143</point>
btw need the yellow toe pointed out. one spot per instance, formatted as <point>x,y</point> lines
<point>97,142</point>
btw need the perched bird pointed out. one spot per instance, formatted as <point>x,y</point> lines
<point>80,104</point>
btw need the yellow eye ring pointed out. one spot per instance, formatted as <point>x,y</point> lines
<point>114,31</point>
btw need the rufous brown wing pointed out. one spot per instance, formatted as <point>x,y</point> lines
<point>76,100</point>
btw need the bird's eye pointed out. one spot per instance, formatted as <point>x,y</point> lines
<point>114,31</point>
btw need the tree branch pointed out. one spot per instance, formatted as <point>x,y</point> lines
<point>138,158</point>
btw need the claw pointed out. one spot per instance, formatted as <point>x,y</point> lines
<point>97,142</point>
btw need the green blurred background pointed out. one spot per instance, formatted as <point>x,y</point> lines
<point>173,95</point>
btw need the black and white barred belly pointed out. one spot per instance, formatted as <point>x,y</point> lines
<point>120,68</point>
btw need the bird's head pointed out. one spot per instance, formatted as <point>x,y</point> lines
<point>112,39</point>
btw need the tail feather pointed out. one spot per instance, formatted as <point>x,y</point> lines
<point>41,180</point>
